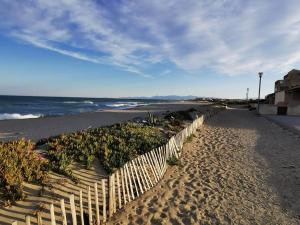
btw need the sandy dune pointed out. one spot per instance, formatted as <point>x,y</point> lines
<point>239,169</point>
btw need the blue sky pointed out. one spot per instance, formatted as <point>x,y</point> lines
<point>142,48</point>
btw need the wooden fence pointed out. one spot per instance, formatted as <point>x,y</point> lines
<point>123,186</point>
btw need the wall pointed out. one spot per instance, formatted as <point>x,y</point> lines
<point>293,110</point>
<point>279,97</point>
<point>266,109</point>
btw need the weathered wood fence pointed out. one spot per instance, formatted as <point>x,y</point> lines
<point>123,186</point>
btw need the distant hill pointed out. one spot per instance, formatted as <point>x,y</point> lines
<point>166,97</point>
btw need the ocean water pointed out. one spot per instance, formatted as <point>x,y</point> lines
<point>24,107</point>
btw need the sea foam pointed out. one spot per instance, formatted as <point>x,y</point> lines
<point>17,116</point>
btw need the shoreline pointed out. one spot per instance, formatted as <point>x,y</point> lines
<point>44,127</point>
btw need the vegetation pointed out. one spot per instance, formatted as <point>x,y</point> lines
<point>113,145</point>
<point>173,161</point>
<point>19,163</point>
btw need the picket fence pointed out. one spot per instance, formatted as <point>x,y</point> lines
<point>123,186</point>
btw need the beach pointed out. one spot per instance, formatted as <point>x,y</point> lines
<point>60,186</point>
<point>238,169</point>
<point>39,128</point>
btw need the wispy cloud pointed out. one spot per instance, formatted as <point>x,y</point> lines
<point>230,37</point>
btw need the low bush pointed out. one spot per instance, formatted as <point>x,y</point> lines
<point>173,161</point>
<point>19,163</point>
<point>113,145</point>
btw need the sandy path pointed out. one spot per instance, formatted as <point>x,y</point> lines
<point>239,169</point>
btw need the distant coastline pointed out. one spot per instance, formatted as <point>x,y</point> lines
<point>26,107</point>
<point>44,127</point>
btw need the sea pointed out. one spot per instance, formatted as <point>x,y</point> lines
<point>25,107</point>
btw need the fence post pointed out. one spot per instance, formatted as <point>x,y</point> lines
<point>53,222</point>
<point>123,185</point>
<point>97,204</point>
<point>119,190</point>
<point>90,206</point>
<point>110,203</point>
<point>73,209</point>
<point>81,207</point>
<point>63,211</point>
<point>104,200</point>
<point>27,219</point>
<point>39,218</point>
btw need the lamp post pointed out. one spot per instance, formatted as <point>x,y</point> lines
<point>260,75</point>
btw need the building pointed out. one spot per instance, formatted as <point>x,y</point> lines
<point>287,94</point>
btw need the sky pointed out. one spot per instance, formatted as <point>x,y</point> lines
<point>122,48</point>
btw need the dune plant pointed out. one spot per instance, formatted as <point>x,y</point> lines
<point>19,163</point>
<point>113,146</point>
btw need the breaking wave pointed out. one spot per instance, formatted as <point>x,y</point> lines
<point>17,116</point>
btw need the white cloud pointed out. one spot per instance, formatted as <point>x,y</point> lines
<point>230,37</point>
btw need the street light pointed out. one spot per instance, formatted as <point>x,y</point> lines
<point>260,75</point>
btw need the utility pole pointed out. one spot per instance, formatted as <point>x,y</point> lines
<point>247,94</point>
<point>260,75</point>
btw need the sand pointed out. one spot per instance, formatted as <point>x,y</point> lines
<point>239,169</point>
<point>63,187</point>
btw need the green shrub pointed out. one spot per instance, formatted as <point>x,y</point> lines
<point>19,163</point>
<point>173,161</point>
<point>113,145</point>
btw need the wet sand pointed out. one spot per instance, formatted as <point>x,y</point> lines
<point>239,169</point>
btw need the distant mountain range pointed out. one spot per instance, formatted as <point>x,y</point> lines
<point>166,97</point>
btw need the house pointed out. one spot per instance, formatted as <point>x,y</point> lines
<point>287,94</point>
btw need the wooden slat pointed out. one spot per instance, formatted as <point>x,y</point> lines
<point>104,200</point>
<point>152,168</point>
<point>28,220</point>
<point>126,183</point>
<point>142,172</point>
<point>63,212</point>
<point>155,162</point>
<point>90,206</point>
<point>130,182</point>
<point>114,194</point>
<point>137,177</point>
<point>81,207</point>
<point>133,178</point>
<point>73,209</point>
<point>39,218</point>
<point>15,223</point>
<point>97,203</point>
<point>145,165</point>
<point>119,189</point>
<point>158,151</point>
<point>110,199</point>
<point>123,185</point>
<point>53,221</point>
